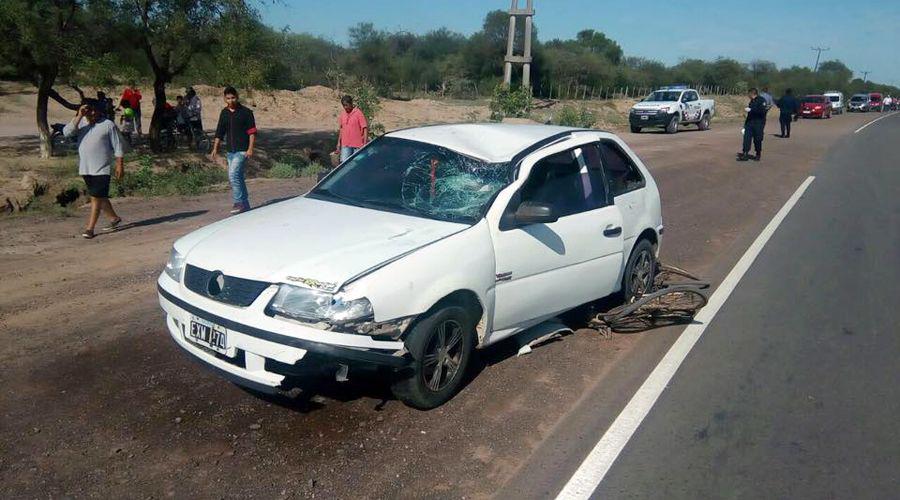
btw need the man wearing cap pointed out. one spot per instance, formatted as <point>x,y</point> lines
<point>99,146</point>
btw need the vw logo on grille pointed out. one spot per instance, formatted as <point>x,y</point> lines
<point>216,284</point>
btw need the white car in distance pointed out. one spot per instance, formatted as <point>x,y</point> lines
<point>837,101</point>
<point>425,245</point>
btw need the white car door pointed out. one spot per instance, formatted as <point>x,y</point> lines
<point>691,106</point>
<point>545,269</point>
<point>624,184</point>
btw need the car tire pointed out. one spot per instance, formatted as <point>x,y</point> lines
<point>672,127</point>
<point>443,339</point>
<point>703,124</point>
<point>639,272</point>
<point>635,130</point>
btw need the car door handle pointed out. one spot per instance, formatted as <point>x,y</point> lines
<point>612,232</point>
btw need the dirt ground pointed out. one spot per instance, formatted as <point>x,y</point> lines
<point>97,401</point>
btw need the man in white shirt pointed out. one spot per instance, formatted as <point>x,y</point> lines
<point>99,146</point>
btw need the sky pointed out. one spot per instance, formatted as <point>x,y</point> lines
<point>864,34</point>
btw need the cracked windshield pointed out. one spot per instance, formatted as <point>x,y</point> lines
<point>418,179</point>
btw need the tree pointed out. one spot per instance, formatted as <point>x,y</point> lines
<point>39,38</point>
<point>597,42</point>
<point>173,32</point>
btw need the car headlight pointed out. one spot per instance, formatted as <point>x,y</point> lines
<point>175,265</point>
<point>312,305</point>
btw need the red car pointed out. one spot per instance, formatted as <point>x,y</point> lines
<point>876,102</point>
<point>817,106</point>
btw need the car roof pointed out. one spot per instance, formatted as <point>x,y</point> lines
<point>492,142</point>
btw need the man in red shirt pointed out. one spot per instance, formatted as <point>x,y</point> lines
<point>132,96</point>
<point>354,130</point>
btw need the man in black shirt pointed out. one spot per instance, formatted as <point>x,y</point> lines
<point>790,108</point>
<point>754,126</point>
<point>237,128</point>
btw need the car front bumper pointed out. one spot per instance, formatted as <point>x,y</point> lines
<point>265,354</point>
<point>812,113</point>
<point>654,120</point>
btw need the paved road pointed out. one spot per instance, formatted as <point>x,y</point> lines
<point>793,390</point>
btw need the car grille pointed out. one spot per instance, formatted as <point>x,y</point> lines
<point>236,291</point>
<point>645,111</point>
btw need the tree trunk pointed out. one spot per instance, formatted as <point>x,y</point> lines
<point>159,94</point>
<point>46,143</point>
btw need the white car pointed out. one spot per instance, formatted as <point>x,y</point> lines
<point>425,245</point>
<point>837,101</point>
<point>669,108</point>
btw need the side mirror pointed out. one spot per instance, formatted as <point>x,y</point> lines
<point>531,212</point>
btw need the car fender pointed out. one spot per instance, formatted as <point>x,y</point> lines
<point>412,284</point>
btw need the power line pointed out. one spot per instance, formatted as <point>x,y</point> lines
<point>818,51</point>
<point>865,75</point>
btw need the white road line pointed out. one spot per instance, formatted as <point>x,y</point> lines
<point>860,129</point>
<point>592,471</point>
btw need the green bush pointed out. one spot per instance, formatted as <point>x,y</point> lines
<point>190,179</point>
<point>283,170</point>
<point>570,116</point>
<point>509,103</point>
<point>312,170</point>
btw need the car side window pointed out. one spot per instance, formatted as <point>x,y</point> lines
<point>593,161</point>
<point>561,181</point>
<point>622,175</point>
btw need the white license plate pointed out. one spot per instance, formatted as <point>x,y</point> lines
<point>645,117</point>
<point>208,335</point>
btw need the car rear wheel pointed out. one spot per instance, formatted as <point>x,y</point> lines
<point>639,272</point>
<point>672,127</point>
<point>441,346</point>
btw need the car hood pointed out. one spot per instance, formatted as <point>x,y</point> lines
<point>309,240</point>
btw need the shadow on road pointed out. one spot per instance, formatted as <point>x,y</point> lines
<point>160,220</point>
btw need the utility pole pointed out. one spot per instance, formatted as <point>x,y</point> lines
<point>865,75</point>
<point>818,51</point>
<point>524,59</point>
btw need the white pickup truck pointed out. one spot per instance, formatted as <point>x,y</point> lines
<point>671,107</point>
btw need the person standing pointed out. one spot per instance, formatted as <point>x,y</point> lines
<point>99,147</point>
<point>132,96</point>
<point>354,129</point>
<point>237,127</point>
<point>770,101</point>
<point>194,110</point>
<point>789,108</point>
<point>754,126</point>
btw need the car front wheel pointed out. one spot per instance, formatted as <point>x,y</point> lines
<point>441,346</point>
<point>672,127</point>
